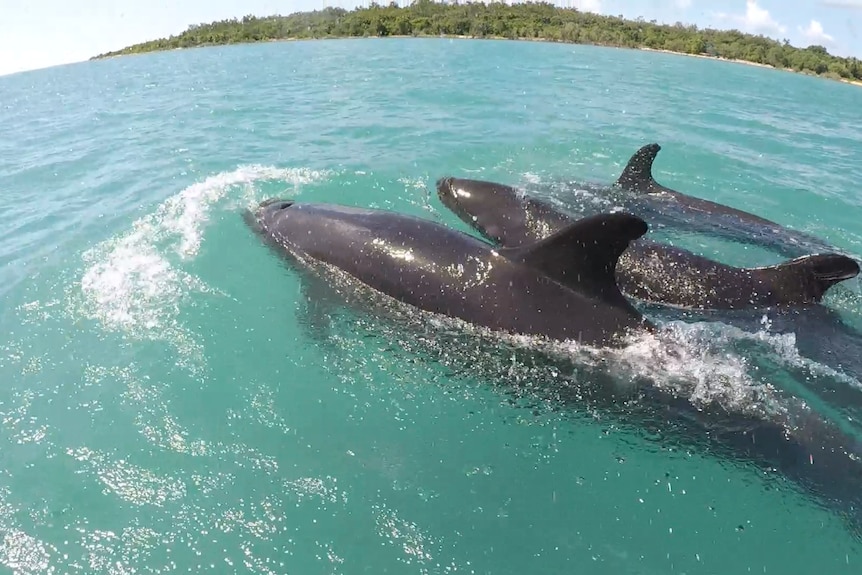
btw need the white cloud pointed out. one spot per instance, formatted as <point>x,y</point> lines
<point>815,34</point>
<point>588,5</point>
<point>683,4</point>
<point>756,20</point>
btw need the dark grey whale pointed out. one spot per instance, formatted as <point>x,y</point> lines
<point>637,176</point>
<point>661,204</point>
<point>444,271</point>
<point>648,270</point>
<point>430,266</point>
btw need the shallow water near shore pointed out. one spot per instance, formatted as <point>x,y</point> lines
<point>176,399</point>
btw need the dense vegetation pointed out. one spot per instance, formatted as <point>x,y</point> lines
<point>539,21</point>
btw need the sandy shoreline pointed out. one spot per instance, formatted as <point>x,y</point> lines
<point>643,48</point>
<point>747,63</point>
<point>467,37</point>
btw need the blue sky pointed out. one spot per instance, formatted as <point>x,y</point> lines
<point>40,33</point>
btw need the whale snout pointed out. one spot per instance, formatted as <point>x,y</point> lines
<point>444,187</point>
<point>265,216</point>
<point>448,194</point>
<point>444,183</point>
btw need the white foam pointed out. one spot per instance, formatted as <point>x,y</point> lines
<point>698,361</point>
<point>532,178</point>
<point>130,283</point>
<point>783,345</point>
<point>684,359</point>
<point>691,360</point>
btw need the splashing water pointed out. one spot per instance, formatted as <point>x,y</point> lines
<point>131,283</point>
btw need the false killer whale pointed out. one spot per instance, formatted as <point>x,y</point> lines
<point>637,176</point>
<point>445,271</point>
<point>660,203</point>
<point>438,269</point>
<point>650,271</point>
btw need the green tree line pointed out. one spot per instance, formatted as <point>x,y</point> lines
<point>531,21</point>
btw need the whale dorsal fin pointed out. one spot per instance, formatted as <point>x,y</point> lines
<point>637,174</point>
<point>584,254</point>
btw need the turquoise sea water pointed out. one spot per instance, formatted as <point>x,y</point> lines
<point>172,398</point>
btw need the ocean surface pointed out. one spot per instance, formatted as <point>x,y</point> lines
<point>173,398</point>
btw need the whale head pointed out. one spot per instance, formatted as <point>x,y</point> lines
<point>488,207</point>
<point>265,217</point>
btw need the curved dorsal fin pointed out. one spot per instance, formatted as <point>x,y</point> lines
<point>637,174</point>
<point>583,255</point>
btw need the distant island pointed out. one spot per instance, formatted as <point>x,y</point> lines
<point>540,21</point>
